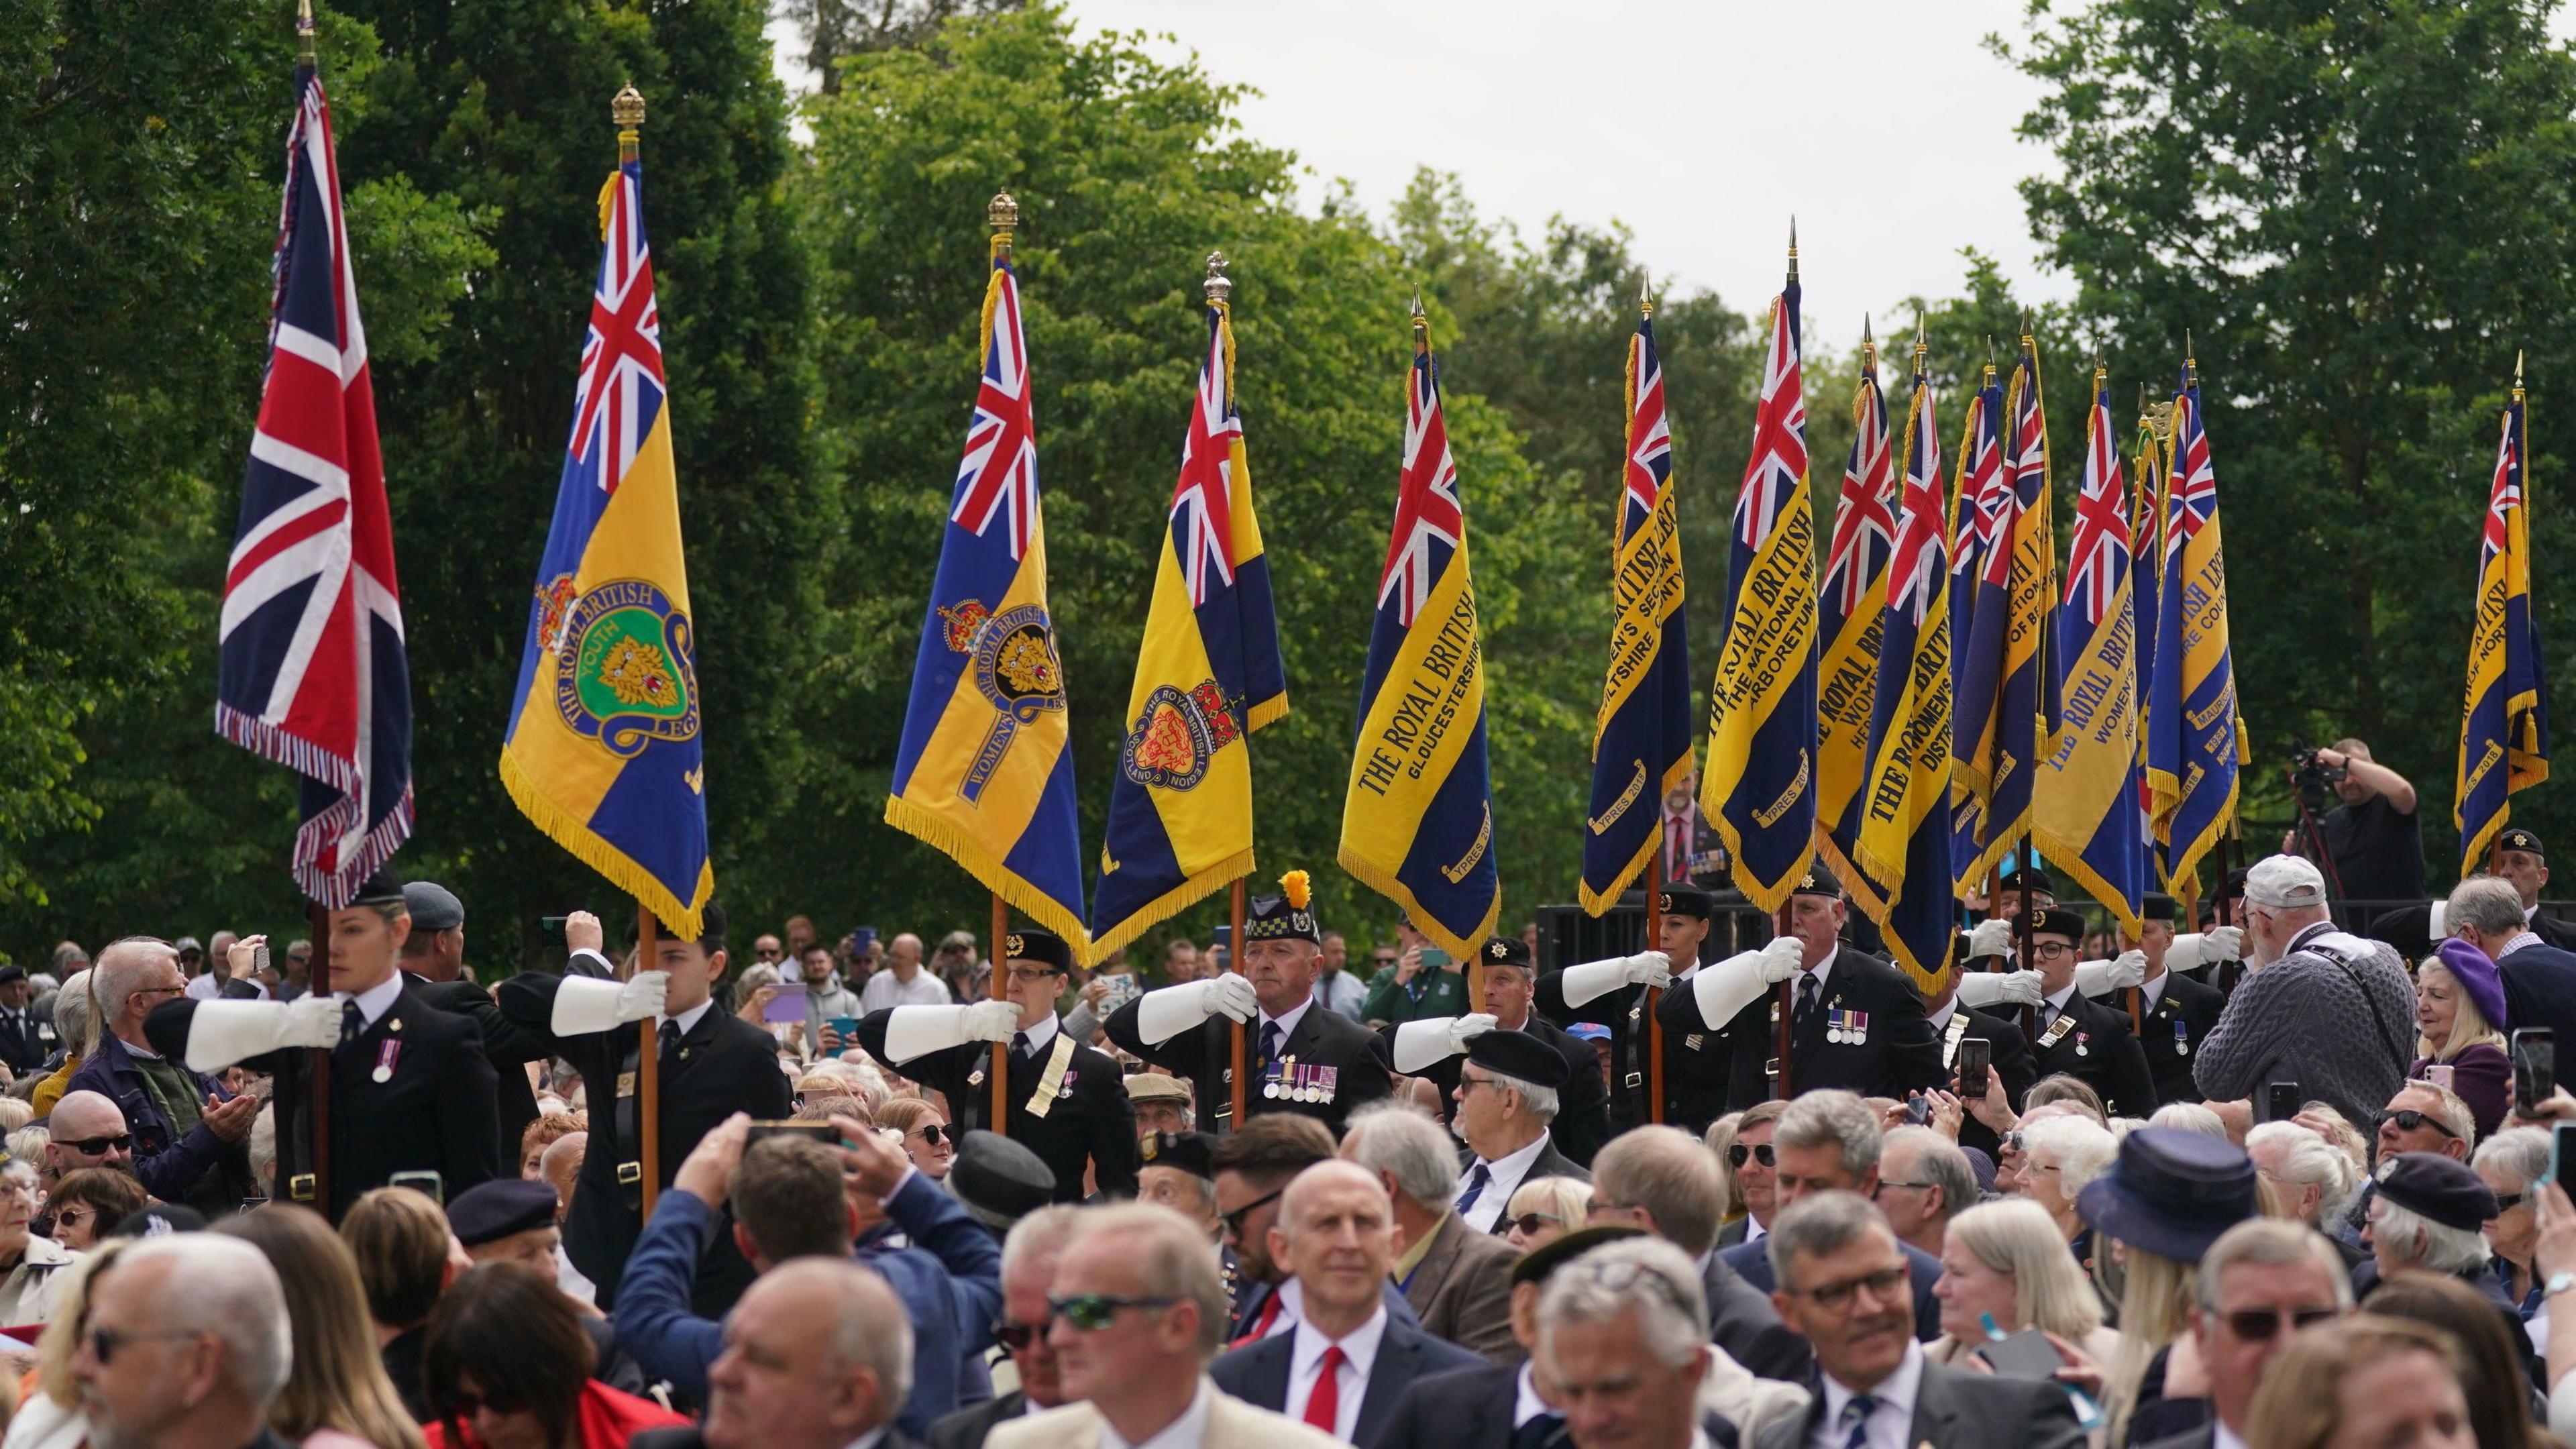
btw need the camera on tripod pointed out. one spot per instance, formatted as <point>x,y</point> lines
<point>2313,778</point>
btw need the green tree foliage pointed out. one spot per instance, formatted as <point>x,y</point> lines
<point>2361,212</point>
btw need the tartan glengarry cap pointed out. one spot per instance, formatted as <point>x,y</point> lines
<point>1287,916</point>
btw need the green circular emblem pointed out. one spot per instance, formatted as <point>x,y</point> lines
<point>626,674</point>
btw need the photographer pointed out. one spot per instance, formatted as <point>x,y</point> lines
<point>2372,845</point>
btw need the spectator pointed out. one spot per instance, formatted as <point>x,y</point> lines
<point>2423,1117</point>
<point>1338,988</point>
<point>800,934</point>
<point>405,1258</point>
<point>561,1166</point>
<point>2060,1157</point>
<point>1828,1141</point>
<point>187,1345</point>
<point>1749,1165</point>
<point>2459,1016</point>
<point>87,1131</point>
<point>927,1138</point>
<point>1620,1349</point>
<point>2365,1380</point>
<point>1544,1210</point>
<point>2310,1179</point>
<point>790,1201</point>
<point>1507,1095</point>
<point>2323,1008</point>
<point>1924,1181</point>
<point>2493,1353</point>
<point>32,1264</point>
<point>1138,1310</point>
<point>187,1138</point>
<point>966,978</point>
<point>2373,841</point>
<point>507,1365</point>
<point>2192,1117</point>
<point>2166,1199</point>
<point>826,999</point>
<point>335,1379</point>
<point>2538,975</point>
<point>1843,1284</point>
<point>2512,1164</point>
<point>817,1355</point>
<point>297,978</point>
<point>1425,981</point>
<point>2428,1213</point>
<point>1178,1172</point>
<point>1660,1179</point>
<point>1253,1165</point>
<point>2259,1283</point>
<point>89,1201</point>
<point>1458,1278</point>
<point>507,1220</point>
<point>903,982</point>
<point>49,1414</point>
<point>548,1129</point>
<point>75,1032</point>
<point>2003,1262</point>
<point>1029,1257</point>
<point>999,1181</point>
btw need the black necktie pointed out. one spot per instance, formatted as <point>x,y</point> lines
<point>1806,1010</point>
<point>353,1022</point>
<point>1019,1046</point>
<point>670,1037</point>
<point>1269,1042</point>
<point>1541,1432</point>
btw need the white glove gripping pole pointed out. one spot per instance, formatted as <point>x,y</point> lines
<point>1722,990</point>
<point>221,1033</point>
<point>1164,1014</point>
<point>1418,1044</point>
<point>2196,949</point>
<point>1983,989</point>
<point>2095,977</point>
<point>586,1004</point>
<point>917,1031</point>
<point>1600,978</point>
<point>1990,938</point>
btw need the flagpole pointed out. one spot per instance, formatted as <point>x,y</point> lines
<point>1663,866</point>
<point>318,922</point>
<point>1781,1005</point>
<point>648,1060</point>
<point>1235,911</point>
<point>2495,842</point>
<point>1001,1054</point>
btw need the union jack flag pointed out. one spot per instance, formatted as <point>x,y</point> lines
<point>1426,499</point>
<point>998,477</point>
<point>1650,451</point>
<point>1203,500</point>
<point>1864,523</point>
<point>1916,570</point>
<point>1983,499</point>
<point>2194,487</point>
<point>312,673</point>
<point>2098,560</point>
<point>622,387</point>
<point>1779,463</point>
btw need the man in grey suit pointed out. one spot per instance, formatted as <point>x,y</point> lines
<point>1458,1280</point>
<point>1842,1282</point>
<point>1619,1343</point>
<point>1662,1180</point>
<point>1347,1361</point>
<point>1029,1257</point>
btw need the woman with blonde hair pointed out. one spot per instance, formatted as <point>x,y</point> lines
<point>2367,1380</point>
<point>2006,1262</point>
<point>2169,1196</point>
<point>927,1138</point>
<point>335,1379</point>
<point>49,1413</point>
<point>2459,1022</point>
<point>1543,1210</point>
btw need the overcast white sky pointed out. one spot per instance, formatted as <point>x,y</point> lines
<point>1703,124</point>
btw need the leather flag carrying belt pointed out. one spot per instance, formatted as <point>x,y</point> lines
<point>630,1140</point>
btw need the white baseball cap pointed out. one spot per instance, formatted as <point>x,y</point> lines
<point>2285,883</point>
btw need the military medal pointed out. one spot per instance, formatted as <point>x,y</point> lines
<point>1856,1028</point>
<point>2182,1039</point>
<point>2080,1039</point>
<point>387,1053</point>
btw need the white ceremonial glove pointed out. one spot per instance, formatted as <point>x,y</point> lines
<point>1981,989</point>
<point>1990,938</point>
<point>1722,990</point>
<point>587,1004</point>
<point>1600,978</point>
<point>2194,950</point>
<point>1165,1013</point>
<point>221,1033</point>
<point>2433,927</point>
<point>917,1031</point>
<point>1418,1044</point>
<point>2127,969</point>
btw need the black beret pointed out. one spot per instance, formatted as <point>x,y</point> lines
<point>12,972</point>
<point>2029,880</point>
<point>160,1220</point>
<point>999,1180</point>
<point>1044,947</point>
<point>2157,907</point>
<point>1507,951</point>
<point>2520,839</point>
<point>1536,1264</point>
<point>2057,921</point>
<point>1191,1152</point>
<point>1518,1054</point>
<point>384,888</point>
<point>2441,1188</point>
<point>490,1211</point>
<point>711,927</point>
<point>1681,898</point>
<point>433,906</point>
<point>1818,881</point>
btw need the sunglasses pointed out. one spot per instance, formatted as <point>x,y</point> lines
<point>104,1343</point>
<point>1529,1223</point>
<point>466,1406</point>
<point>2257,1324</point>
<point>1738,1154</point>
<point>2410,1120</point>
<point>98,1146</point>
<point>931,1132</point>
<point>1017,1336</point>
<point>1234,1219</point>
<point>2507,1201</point>
<point>1092,1312</point>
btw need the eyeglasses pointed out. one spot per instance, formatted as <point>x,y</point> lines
<point>2410,1120</point>
<point>1017,1336</point>
<point>72,1217</point>
<point>765,953</point>
<point>104,1343</point>
<point>1528,1223</point>
<point>1885,1183</point>
<point>156,991</point>
<point>2050,950</point>
<point>1093,1312</point>
<point>1382,960</point>
<point>1028,976</point>
<point>1737,1154</point>
<point>931,1132</point>
<point>2257,1324</point>
<point>98,1146</point>
<point>466,1406</point>
<point>2012,1142</point>
<point>1883,1287</point>
<point>1234,1219</point>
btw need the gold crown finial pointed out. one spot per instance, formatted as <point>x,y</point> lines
<point>1002,213</point>
<point>627,109</point>
<point>1216,288</point>
<point>304,32</point>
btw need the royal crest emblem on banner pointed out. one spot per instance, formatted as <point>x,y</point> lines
<point>1176,735</point>
<point>625,671</point>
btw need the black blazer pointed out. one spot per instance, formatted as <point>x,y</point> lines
<point>1623,1014</point>
<point>1258,1374</point>
<point>505,1046</point>
<point>1742,1321</point>
<point>2100,1049</point>
<point>20,1046</point>
<point>2540,988</point>
<point>1322,1038</point>
<point>433,1113</point>
<point>723,1065</point>
<point>1582,1122</point>
<point>2185,1013</point>
<point>1898,1054</point>
<point>1472,1409</point>
<point>1956,1410</point>
<point>1092,1120</point>
<point>2011,1061</point>
<point>966,1428</point>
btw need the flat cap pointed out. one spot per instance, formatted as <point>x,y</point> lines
<point>490,1211</point>
<point>1157,1087</point>
<point>1518,1054</point>
<point>998,1180</point>
<point>433,906</point>
<point>2443,1189</point>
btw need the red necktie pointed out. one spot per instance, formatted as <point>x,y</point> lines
<point>1261,1327</point>
<point>1677,854</point>
<point>1324,1405</point>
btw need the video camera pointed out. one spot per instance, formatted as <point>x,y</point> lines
<point>2312,778</point>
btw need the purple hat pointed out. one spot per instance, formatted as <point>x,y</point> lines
<point>2476,973</point>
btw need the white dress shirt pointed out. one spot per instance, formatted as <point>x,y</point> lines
<point>1189,1431</point>
<point>376,1000</point>
<point>870,1439</point>
<point>1526,1404</point>
<point>2151,992</point>
<point>688,1020</point>
<point>1824,974</point>
<point>883,992</point>
<point>2222,1437</point>
<point>1359,1355</point>
<point>1287,1022</point>
<point>1507,1176</point>
<point>1890,1423</point>
<point>1040,1034</point>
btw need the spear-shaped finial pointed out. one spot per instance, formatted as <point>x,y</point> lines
<point>1990,359</point>
<point>1868,344</point>
<point>1793,248</point>
<point>2517,370</point>
<point>1646,296</point>
<point>2190,362</point>
<point>1922,343</point>
<point>1216,288</point>
<point>1421,320</point>
<point>626,108</point>
<point>304,32</point>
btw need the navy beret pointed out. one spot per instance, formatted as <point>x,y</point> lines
<point>2443,1189</point>
<point>488,1212</point>
<point>999,1180</point>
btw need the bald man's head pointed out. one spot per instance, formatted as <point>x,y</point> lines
<point>818,1353</point>
<point>1335,1234</point>
<point>88,1130</point>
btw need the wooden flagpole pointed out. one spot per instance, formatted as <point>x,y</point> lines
<point>1001,1053</point>
<point>318,1072</point>
<point>1782,1007</point>
<point>1235,909</point>
<point>648,1063</point>
<point>1655,995</point>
